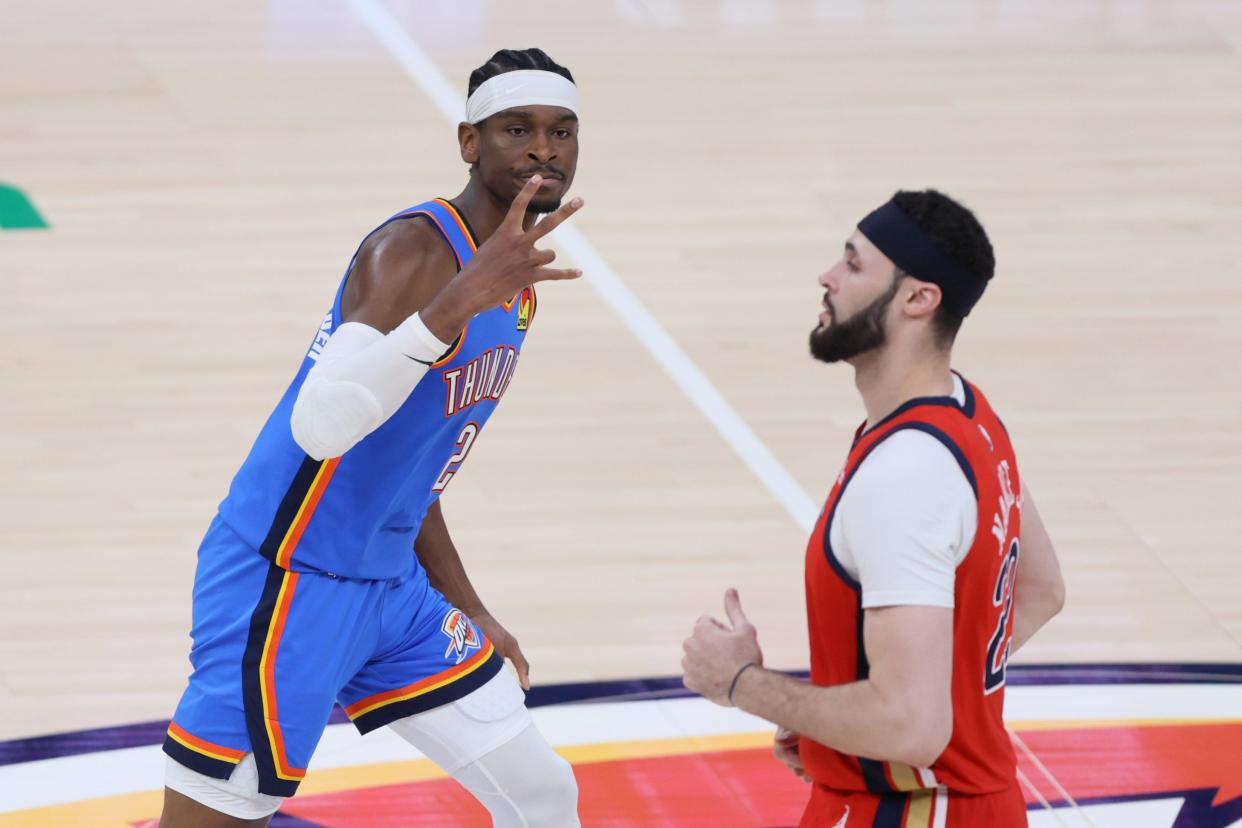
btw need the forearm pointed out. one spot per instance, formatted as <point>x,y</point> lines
<point>448,576</point>
<point>439,557</point>
<point>449,311</point>
<point>857,718</point>
<point>1040,589</point>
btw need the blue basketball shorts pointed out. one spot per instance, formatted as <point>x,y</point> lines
<point>274,649</point>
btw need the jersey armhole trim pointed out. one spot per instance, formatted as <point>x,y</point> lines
<point>947,442</point>
<point>926,428</point>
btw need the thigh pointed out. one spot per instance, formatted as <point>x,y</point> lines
<point>272,648</point>
<point>192,800</point>
<point>430,655</point>
<point>180,811</point>
<point>208,730</point>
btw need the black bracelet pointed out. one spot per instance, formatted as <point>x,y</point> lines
<point>736,676</point>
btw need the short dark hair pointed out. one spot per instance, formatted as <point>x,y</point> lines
<point>511,60</point>
<point>956,233</point>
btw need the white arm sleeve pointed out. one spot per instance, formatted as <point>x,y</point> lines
<point>905,521</point>
<point>360,379</point>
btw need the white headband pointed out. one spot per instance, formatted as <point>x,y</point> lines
<point>524,87</point>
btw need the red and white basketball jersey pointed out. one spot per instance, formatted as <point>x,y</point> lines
<point>979,758</point>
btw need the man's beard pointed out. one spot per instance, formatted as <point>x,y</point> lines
<point>862,332</point>
<point>545,206</point>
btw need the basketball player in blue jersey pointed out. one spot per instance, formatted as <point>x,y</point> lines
<point>329,574</point>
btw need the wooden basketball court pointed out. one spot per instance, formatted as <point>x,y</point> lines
<point>206,170</point>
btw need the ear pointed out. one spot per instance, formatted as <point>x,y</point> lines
<point>468,139</point>
<point>923,299</point>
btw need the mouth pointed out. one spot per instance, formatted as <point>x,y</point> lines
<point>550,180</point>
<point>826,313</point>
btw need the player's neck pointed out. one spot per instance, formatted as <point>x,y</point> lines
<point>894,375</point>
<point>481,209</point>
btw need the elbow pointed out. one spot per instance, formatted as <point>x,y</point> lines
<point>1041,600</point>
<point>923,751</point>
<point>924,739</point>
<point>308,441</point>
<point>329,418</point>
<point>1057,597</point>
<point>1052,596</point>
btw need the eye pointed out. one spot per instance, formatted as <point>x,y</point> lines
<point>516,131</point>
<point>562,133</point>
<point>852,265</point>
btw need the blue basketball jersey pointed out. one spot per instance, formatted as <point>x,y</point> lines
<point>358,515</point>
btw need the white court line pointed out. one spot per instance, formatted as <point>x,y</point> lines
<point>1039,797</point>
<point>1056,783</point>
<point>596,271</point>
<point>41,783</point>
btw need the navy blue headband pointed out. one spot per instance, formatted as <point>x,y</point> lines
<point>898,237</point>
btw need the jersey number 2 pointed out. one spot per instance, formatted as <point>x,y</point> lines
<point>998,645</point>
<point>464,441</point>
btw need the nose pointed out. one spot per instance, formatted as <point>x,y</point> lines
<point>828,280</point>
<point>540,150</point>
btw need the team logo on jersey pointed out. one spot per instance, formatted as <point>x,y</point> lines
<point>483,378</point>
<point>526,308</point>
<point>986,436</point>
<point>462,636</point>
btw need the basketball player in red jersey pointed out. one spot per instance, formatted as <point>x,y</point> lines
<point>928,566</point>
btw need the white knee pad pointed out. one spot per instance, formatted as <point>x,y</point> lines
<point>238,796</point>
<point>489,744</point>
<point>524,784</point>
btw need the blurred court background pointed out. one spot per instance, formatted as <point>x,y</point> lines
<point>205,172</point>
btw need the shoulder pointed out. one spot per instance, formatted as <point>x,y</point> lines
<point>909,481</point>
<point>909,460</point>
<point>397,270</point>
<point>409,241</point>
<point>908,518</point>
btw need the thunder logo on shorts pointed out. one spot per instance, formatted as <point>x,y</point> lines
<point>462,635</point>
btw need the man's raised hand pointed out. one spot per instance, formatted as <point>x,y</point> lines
<point>503,265</point>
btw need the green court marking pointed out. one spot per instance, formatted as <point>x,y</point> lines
<point>16,211</point>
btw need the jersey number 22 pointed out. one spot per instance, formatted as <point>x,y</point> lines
<point>999,644</point>
<point>464,441</point>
